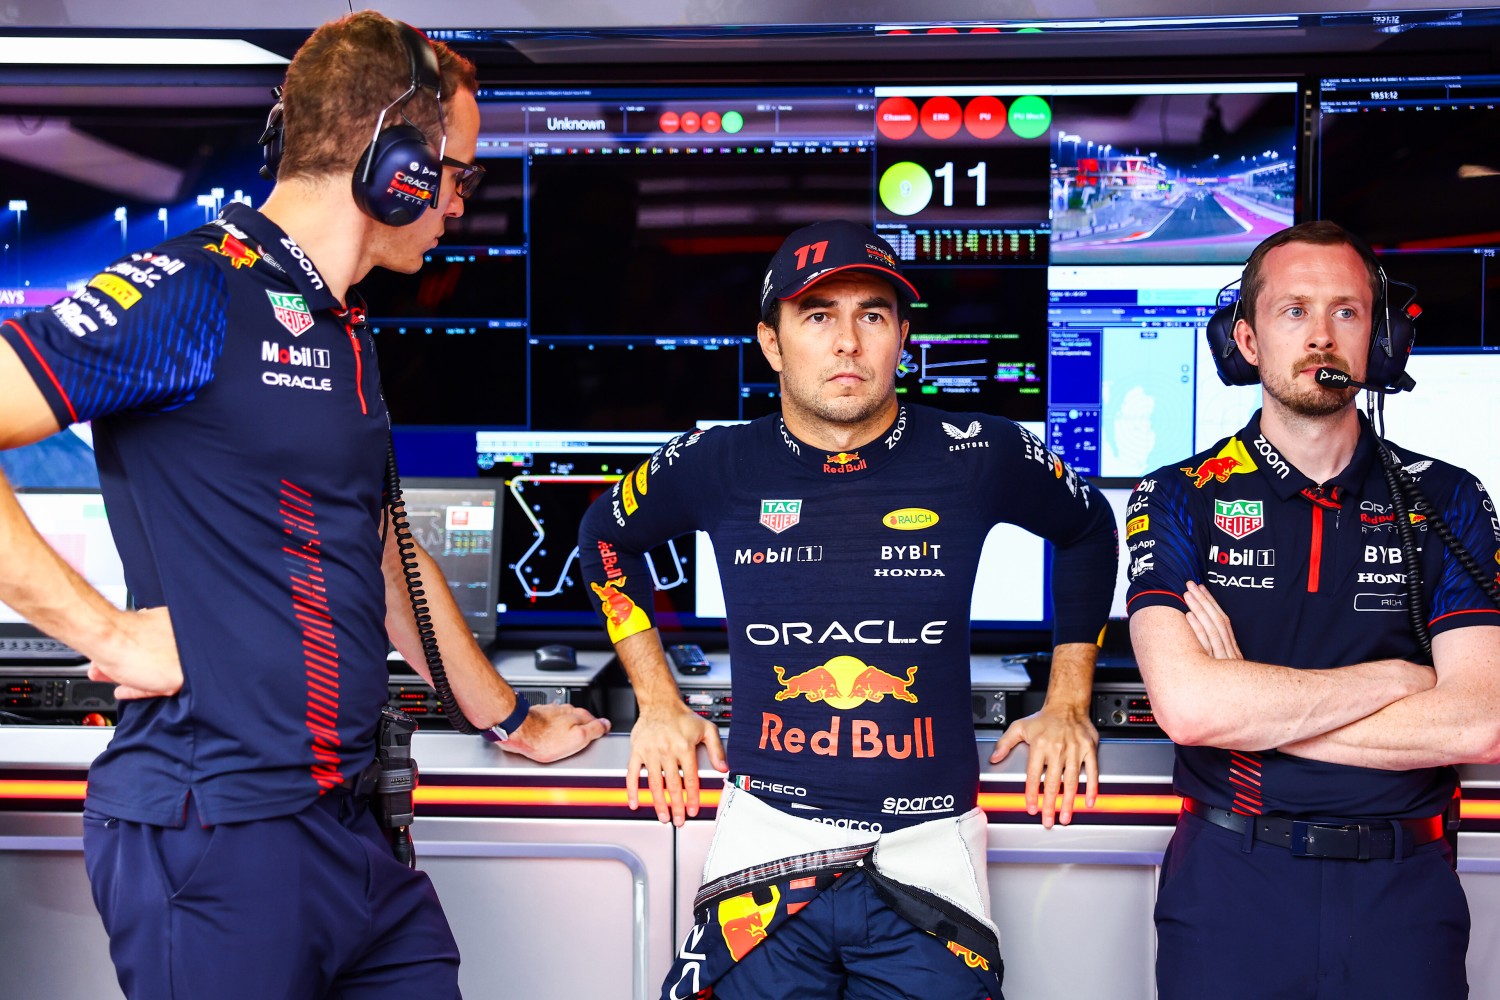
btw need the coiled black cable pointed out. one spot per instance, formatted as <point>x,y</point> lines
<point>406,549</point>
<point>1404,488</point>
<point>1416,603</point>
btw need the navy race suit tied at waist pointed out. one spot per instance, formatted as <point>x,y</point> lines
<point>848,579</point>
<point>241,439</point>
<point>1311,576</point>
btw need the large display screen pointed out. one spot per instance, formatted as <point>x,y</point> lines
<point>598,295</point>
<point>1410,163</point>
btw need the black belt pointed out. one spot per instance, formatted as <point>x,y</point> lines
<point>1306,839</point>
<point>357,786</point>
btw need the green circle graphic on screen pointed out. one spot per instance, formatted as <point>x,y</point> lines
<point>905,188</point>
<point>1030,116</point>
<point>733,121</point>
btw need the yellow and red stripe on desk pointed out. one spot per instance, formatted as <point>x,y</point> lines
<point>563,796</point>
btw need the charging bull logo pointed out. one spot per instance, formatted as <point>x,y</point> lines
<point>972,959</point>
<point>743,921</point>
<point>844,461</point>
<point>845,682</point>
<point>1232,458</point>
<point>239,255</point>
<point>622,617</point>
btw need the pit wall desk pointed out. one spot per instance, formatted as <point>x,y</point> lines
<point>555,889</point>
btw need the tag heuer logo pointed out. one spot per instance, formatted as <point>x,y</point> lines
<point>1238,518</point>
<point>291,312</point>
<point>779,515</point>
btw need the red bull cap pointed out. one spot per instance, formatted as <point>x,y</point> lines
<point>814,252</point>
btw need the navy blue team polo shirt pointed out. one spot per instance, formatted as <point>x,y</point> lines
<point>1311,576</point>
<point>241,441</point>
<point>848,579</point>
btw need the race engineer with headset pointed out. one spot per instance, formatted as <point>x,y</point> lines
<point>849,852</point>
<point>241,440</point>
<point>1271,605</point>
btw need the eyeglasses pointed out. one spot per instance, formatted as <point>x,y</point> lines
<point>468,177</point>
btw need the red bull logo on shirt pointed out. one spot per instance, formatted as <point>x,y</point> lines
<point>239,255</point>
<point>1232,458</point>
<point>844,461</point>
<point>845,682</point>
<point>865,738</point>
<point>623,618</point>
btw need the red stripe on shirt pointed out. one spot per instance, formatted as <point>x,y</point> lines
<point>1143,593</point>
<point>1315,567</point>
<point>1470,611</point>
<point>72,413</point>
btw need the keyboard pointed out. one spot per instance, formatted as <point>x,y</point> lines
<point>37,649</point>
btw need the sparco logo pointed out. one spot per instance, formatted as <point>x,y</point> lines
<point>1273,460</point>
<point>302,357</point>
<point>921,805</point>
<point>844,823</point>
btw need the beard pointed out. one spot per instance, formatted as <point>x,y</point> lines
<point>807,395</point>
<point>1309,400</point>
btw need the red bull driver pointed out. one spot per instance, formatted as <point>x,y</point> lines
<point>849,855</point>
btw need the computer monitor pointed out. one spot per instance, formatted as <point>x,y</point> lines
<point>603,277</point>
<point>1408,163</point>
<point>458,521</point>
<point>1132,385</point>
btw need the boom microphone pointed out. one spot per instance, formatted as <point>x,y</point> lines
<point>1336,379</point>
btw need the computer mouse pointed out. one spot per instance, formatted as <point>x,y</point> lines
<point>556,657</point>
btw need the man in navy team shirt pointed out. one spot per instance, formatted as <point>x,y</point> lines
<point>1268,601</point>
<point>849,851</point>
<point>241,439</point>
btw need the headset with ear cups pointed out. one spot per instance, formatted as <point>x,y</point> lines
<point>1392,334</point>
<point>399,174</point>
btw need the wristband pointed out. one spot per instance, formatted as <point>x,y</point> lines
<point>507,726</point>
